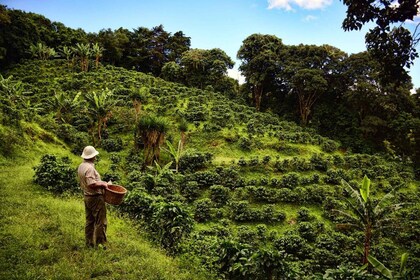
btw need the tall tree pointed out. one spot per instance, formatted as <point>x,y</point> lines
<point>260,63</point>
<point>310,71</point>
<point>309,84</point>
<point>394,47</point>
<point>203,68</point>
<point>115,44</point>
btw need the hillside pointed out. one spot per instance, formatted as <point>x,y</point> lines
<point>42,235</point>
<point>254,195</point>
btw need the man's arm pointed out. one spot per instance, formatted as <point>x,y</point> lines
<point>98,184</point>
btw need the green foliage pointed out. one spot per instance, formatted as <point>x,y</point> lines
<point>193,161</point>
<point>202,210</point>
<point>171,223</point>
<point>346,273</point>
<point>268,184</point>
<point>112,144</point>
<point>219,194</point>
<point>12,101</point>
<point>55,174</point>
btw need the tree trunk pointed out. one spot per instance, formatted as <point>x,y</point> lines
<point>368,237</point>
<point>258,92</point>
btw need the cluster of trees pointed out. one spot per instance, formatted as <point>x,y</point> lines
<point>346,97</point>
<point>154,51</point>
<point>356,99</point>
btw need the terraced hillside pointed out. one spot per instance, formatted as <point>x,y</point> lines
<point>237,192</point>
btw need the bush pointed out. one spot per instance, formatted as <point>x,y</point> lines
<point>202,210</point>
<point>219,194</point>
<point>204,178</point>
<point>303,215</point>
<point>307,231</point>
<point>240,211</point>
<point>75,138</point>
<point>190,190</point>
<point>293,244</point>
<point>329,146</point>
<point>194,161</point>
<point>244,144</point>
<point>138,204</point>
<point>55,174</point>
<point>112,144</point>
<point>290,181</point>
<point>170,223</point>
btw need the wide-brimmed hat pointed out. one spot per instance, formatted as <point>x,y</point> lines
<point>89,152</point>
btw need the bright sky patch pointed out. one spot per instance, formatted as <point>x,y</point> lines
<point>304,4</point>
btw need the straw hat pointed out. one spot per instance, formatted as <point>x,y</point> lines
<point>89,152</point>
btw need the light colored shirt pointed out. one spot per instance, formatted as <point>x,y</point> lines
<point>87,176</point>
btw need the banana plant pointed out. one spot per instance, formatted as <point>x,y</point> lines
<point>64,105</point>
<point>97,52</point>
<point>83,51</point>
<point>402,273</point>
<point>365,214</point>
<point>99,108</point>
<point>68,54</point>
<point>175,153</point>
<point>160,171</point>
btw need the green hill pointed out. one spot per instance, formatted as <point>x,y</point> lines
<point>254,196</point>
<point>42,235</point>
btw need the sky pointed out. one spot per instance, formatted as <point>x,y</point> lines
<point>220,24</point>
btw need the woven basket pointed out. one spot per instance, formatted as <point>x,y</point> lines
<point>114,194</point>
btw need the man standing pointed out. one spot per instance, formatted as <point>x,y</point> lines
<point>93,190</point>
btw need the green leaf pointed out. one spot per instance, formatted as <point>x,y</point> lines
<point>403,265</point>
<point>380,267</point>
<point>364,191</point>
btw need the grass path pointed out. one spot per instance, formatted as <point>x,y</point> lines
<point>41,237</point>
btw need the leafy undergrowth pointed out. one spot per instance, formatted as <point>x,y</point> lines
<point>250,185</point>
<point>41,237</point>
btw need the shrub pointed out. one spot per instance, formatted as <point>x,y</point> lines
<point>242,162</point>
<point>266,159</point>
<point>202,210</point>
<point>244,144</point>
<point>293,244</point>
<point>307,230</point>
<point>111,176</point>
<point>194,161</point>
<point>230,177</point>
<point>190,190</point>
<point>334,176</point>
<point>329,146</point>
<point>240,211</point>
<point>55,174</point>
<point>303,215</point>
<point>138,204</point>
<point>319,162</point>
<point>170,223</point>
<point>112,144</point>
<point>204,178</point>
<point>247,235</point>
<point>219,194</point>
<point>290,181</point>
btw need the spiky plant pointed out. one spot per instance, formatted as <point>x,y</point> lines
<point>152,130</point>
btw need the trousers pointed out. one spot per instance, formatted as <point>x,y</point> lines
<point>96,223</point>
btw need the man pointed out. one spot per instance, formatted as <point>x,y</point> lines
<point>93,190</point>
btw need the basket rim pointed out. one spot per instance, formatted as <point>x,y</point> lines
<point>116,192</point>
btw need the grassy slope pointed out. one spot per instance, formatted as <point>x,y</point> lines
<point>222,144</point>
<point>41,236</point>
